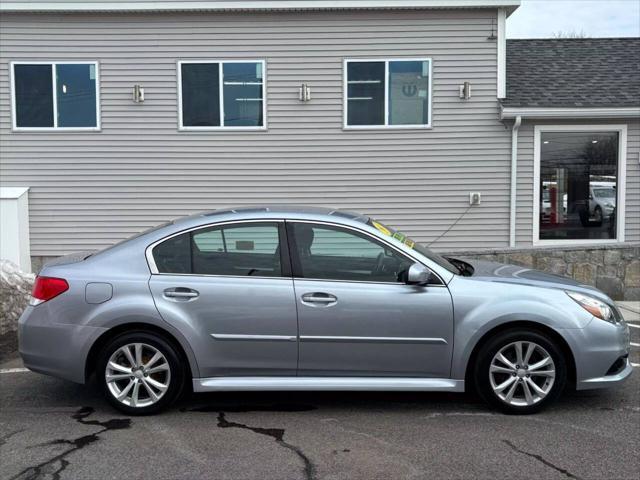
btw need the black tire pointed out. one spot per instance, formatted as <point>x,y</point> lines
<point>177,370</point>
<point>598,215</point>
<point>494,345</point>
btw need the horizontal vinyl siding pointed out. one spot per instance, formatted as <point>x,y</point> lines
<point>525,218</point>
<point>89,190</point>
<point>632,225</point>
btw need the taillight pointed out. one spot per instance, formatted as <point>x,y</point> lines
<point>46,288</point>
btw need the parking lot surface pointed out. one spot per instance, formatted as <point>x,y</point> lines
<point>54,429</point>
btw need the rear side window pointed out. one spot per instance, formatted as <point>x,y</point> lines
<point>240,250</point>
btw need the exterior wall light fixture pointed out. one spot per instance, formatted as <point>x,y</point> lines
<point>138,94</point>
<point>304,93</point>
<point>465,91</point>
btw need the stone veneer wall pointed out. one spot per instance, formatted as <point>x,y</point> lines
<point>614,269</point>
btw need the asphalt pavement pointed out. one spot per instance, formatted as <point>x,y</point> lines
<point>54,429</point>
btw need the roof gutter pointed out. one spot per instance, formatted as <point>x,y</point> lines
<point>509,113</point>
<point>514,181</point>
<point>243,5</point>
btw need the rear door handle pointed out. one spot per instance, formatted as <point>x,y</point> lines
<point>319,299</point>
<point>181,293</point>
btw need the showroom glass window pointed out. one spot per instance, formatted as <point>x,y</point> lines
<point>217,95</point>
<point>55,95</point>
<point>388,93</point>
<point>578,185</point>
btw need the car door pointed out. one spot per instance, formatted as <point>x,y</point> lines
<point>356,314</point>
<point>228,289</point>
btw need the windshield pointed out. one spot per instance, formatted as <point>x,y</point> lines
<point>604,192</point>
<point>401,237</point>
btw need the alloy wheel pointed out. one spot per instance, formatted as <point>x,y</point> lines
<point>138,375</point>
<point>522,373</point>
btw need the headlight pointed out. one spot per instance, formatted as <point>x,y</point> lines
<point>594,306</point>
<point>608,205</point>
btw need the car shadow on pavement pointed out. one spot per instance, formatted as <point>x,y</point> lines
<point>46,392</point>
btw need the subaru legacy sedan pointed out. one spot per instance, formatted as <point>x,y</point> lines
<point>284,298</point>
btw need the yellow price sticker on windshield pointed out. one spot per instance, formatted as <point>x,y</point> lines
<point>382,228</point>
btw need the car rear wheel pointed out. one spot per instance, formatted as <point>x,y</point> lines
<point>140,373</point>
<point>520,371</point>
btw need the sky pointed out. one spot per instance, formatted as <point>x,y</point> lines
<point>595,18</point>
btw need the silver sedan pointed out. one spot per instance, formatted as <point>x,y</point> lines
<point>283,298</point>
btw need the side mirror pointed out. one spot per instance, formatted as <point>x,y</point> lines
<point>418,275</point>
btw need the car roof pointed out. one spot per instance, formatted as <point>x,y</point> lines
<point>270,211</point>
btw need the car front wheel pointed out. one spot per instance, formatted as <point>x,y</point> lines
<point>520,371</point>
<point>140,373</point>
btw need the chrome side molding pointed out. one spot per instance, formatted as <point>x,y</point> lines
<point>218,384</point>
<point>255,338</point>
<point>319,338</point>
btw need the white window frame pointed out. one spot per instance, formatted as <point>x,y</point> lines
<point>621,130</point>
<point>345,93</point>
<point>55,127</point>
<point>187,128</point>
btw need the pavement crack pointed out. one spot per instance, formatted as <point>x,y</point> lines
<point>540,458</point>
<point>57,464</point>
<point>4,438</point>
<point>278,435</point>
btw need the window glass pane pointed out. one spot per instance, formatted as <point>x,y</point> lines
<point>337,254</point>
<point>242,94</point>
<point>200,95</point>
<point>209,240</point>
<point>578,185</point>
<point>365,93</point>
<point>33,95</point>
<point>76,95</point>
<point>250,249</point>
<point>409,93</point>
<point>174,255</point>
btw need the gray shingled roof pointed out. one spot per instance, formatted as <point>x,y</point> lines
<point>589,72</point>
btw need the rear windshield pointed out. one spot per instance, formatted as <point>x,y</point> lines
<point>434,257</point>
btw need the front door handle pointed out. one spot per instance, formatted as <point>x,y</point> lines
<point>319,299</point>
<point>181,293</point>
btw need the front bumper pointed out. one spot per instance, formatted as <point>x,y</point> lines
<point>596,349</point>
<point>55,349</point>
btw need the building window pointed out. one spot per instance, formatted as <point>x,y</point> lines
<point>55,95</point>
<point>216,95</point>
<point>579,185</point>
<point>388,93</point>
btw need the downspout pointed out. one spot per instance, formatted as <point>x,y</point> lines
<point>514,180</point>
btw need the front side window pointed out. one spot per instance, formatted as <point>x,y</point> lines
<point>221,94</point>
<point>55,95</point>
<point>578,185</point>
<point>388,93</point>
<point>239,250</point>
<point>334,253</point>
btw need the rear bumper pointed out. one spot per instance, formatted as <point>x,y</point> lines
<point>55,349</point>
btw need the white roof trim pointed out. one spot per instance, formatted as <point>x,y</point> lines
<point>226,5</point>
<point>577,112</point>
